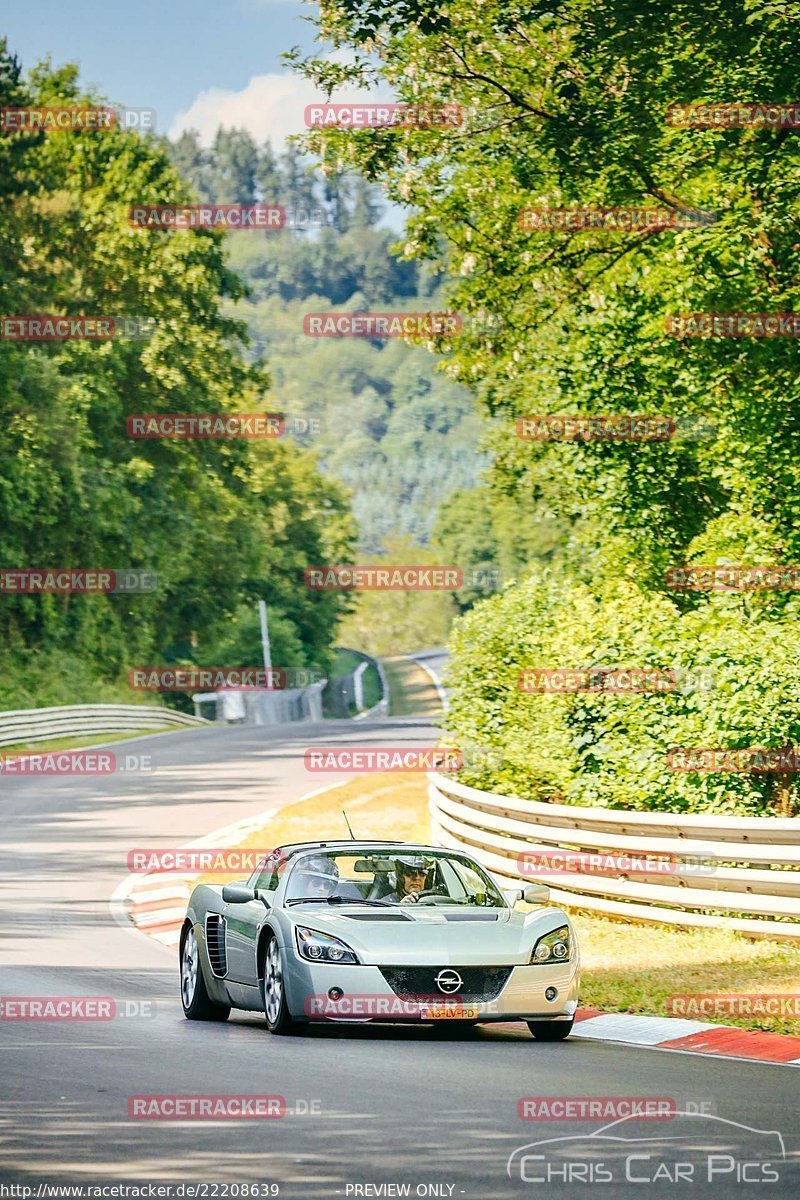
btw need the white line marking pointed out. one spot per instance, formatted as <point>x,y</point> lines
<point>437,683</point>
<point>638,1030</point>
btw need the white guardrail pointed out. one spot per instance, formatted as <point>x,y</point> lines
<point>734,872</point>
<point>24,725</point>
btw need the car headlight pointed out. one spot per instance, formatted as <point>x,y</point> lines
<point>553,947</point>
<point>320,947</point>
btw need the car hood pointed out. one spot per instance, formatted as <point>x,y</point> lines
<point>432,936</point>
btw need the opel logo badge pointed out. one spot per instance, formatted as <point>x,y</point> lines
<point>449,982</point>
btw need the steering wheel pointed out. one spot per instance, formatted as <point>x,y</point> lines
<point>428,896</point>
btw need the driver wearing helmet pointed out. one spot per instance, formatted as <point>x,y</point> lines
<point>411,872</point>
<point>318,878</point>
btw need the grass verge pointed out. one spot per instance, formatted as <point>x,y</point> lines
<point>387,806</point>
<point>626,967</point>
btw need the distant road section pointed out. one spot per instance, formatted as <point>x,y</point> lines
<point>412,689</point>
<point>433,662</point>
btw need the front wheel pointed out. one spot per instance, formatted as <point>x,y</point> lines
<point>276,1010</point>
<point>550,1031</point>
<point>197,1004</point>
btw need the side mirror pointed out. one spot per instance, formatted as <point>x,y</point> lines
<point>238,893</point>
<point>536,893</point>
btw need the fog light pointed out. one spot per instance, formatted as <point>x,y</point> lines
<point>335,993</point>
<point>551,993</point>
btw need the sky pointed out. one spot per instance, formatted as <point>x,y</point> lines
<point>198,64</point>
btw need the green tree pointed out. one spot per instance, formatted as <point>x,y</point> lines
<point>398,622</point>
<point>565,106</point>
<point>217,522</point>
<point>234,167</point>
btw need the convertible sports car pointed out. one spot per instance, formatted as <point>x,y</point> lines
<point>377,931</point>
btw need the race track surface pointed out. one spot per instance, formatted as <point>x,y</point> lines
<point>367,1106</point>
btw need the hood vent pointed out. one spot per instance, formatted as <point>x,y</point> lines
<point>215,944</point>
<point>375,916</point>
<point>470,916</point>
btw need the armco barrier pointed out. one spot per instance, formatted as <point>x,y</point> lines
<point>279,708</point>
<point>748,878</point>
<point>346,692</point>
<point>28,725</point>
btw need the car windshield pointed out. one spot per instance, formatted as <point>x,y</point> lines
<point>398,876</point>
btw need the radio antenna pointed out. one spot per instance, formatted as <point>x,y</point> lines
<point>347,823</point>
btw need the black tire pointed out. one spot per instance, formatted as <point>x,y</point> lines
<point>276,1010</point>
<point>550,1031</point>
<point>197,1004</point>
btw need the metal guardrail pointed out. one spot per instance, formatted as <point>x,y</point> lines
<point>28,725</point>
<point>728,872</point>
<point>347,691</point>
<point>382,706</point>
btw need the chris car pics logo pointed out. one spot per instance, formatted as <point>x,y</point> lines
<point>698,1148</point>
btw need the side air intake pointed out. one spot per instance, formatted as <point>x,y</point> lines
<point>215,942</point>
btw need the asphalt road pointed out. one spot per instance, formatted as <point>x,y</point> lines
<point>366,1107</point>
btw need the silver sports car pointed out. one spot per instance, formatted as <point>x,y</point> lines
<point>377,931</point>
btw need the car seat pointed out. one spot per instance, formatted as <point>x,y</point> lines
<point>384,883</point>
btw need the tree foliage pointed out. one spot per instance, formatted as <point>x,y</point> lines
<point>218,522</point>
<point>397,433</point>
<point>565,106</point>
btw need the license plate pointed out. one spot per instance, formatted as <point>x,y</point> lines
<point>448,1012</point>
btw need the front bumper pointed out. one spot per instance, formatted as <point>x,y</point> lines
<point>367,996</point>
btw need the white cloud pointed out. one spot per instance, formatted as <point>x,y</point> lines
<point>271,106</point>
